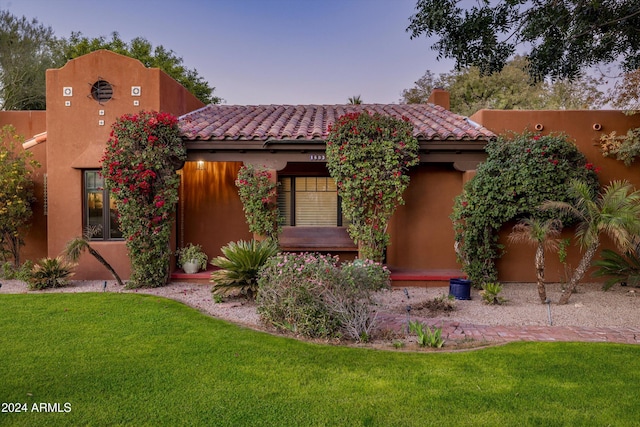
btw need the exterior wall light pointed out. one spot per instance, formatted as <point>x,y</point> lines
<point>200,165</point>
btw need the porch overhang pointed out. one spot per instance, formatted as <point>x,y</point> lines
<point>464,155</point>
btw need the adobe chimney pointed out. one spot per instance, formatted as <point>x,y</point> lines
<point>439,97</point>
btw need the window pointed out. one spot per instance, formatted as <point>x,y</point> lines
<point>99,209</point>
<point>309,202</point>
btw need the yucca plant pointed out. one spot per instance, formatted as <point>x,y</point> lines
<point>50,273</point>
<point>240,265</point>
<point>619,268</point>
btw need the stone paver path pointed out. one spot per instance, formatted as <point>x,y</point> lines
<point>460,331</point>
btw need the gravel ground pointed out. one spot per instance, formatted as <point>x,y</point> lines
<point>589,307</point>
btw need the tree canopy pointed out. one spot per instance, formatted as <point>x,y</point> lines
<point>27,49</point>
<point>563,36</point>
<point>142,50</point>
<point>507,89</point>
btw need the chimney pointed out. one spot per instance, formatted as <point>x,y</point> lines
<point>439,97</point>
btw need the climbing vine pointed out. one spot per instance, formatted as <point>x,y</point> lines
<point>369,156</point>
<point>521,172</point>
<point>622,147</point>
<point>139,168</point>
<point>257,192</point>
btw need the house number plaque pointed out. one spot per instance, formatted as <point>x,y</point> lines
<point>317,157</point>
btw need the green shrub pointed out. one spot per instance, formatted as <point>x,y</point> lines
<point>50,273</point>
<point>291,293</point>
<point>311,295</point>
<point>240,266</point>
<point>8,271</point>
<point>139,169</point>
<point>369,156</point>
<point>520,173</point>
<point>350,297</point>
<point>365,275</point>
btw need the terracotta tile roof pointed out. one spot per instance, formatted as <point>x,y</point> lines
<point>310,122</point>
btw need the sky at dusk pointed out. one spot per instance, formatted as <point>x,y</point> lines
<point>265,51</point>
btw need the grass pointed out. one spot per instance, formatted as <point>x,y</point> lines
<point>131,359</point>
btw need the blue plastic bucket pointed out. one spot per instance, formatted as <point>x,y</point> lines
<point>460,289</point>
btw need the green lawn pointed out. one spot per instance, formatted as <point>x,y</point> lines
<point>130,359</point>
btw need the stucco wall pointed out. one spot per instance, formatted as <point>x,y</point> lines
<point>421,231</point>
<point>518,262</point>
<point>210,212</point>
<point>78,127</point>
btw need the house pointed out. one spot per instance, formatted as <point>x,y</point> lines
<point>86,95</point>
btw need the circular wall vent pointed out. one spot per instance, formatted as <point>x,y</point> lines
<point>102,91</point>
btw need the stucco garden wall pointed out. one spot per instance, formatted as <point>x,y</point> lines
<point>585,128</point>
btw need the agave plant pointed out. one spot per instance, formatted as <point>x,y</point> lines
<point>50,273</point>
<point>240,265</point>
<point>619,267</point>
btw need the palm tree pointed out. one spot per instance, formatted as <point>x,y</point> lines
<point>543,235</point>
<point>76,246</point>
<point>355,100</point>
<point>615,211</point>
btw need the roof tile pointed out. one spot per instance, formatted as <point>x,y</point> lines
<point>311,122</point>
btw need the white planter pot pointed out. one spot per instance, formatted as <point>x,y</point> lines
<point>190,267</point>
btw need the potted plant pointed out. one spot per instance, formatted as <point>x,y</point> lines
<point>191,258</point>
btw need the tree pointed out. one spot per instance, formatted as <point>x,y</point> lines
<point>626,92</point>
<point>543,235</point>
<point>625,95</point>
<point>563,36</point>
<point>76,246</point>
<point>142,50</point>
<point>16,193</point>
<point>507,89</point>
<point>27,49</point>
<point>369,156</point>
<point>615,211</point>
<point>355,100</point>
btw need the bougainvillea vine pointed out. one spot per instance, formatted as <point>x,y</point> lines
<point>369,156</point>
<point>139,168</point>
